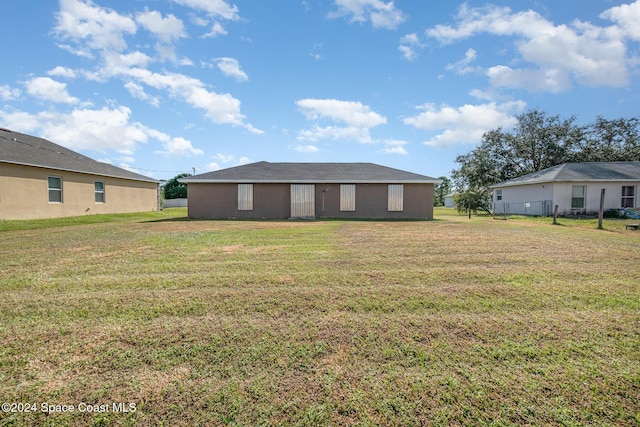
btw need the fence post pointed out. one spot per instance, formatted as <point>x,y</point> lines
<point>601,212</point>
<point>555,215</point>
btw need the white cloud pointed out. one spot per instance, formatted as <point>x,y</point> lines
<point>230,67</point>
<point>212,166</point>
<point>7,93</point>
<point>627,17</point>
<point>137,91</point>
<point>226,158</point>
<point>306,149</point>
<point>353,133</point>
<point>99,27</point>
<point>463,125</point>
<point>393,146</point>
<point>99,130</point>
<point>179,147</point>
<point>62,72</point>
<point>92,29</point>
<point>127,159</point>
<point>381,14</point>
<point>216,30</point>
<point>219,108</point>
<point>580,52</point>
<point>462,67</point>
<point>166,29</point>
<point>349,112</point>
<point>533,80</point>
<point>47,89</point>
<point>118,64</point>
<point>216,8</point>
<point>357,118</point>
<point>409,44</point>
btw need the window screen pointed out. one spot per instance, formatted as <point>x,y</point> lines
<point>99,191</point>
<point>55,189</point>
<point>578,193</point>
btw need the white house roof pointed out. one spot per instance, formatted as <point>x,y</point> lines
<point>571,172</point>
<point>21,149</point>
<point>310,173</point>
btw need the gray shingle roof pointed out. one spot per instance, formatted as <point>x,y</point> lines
<point>18,148</point>
<point>310,173</point>
<point>588,171</point>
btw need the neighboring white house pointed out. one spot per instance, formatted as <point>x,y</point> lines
<point>574,187</point>
<point>448,200</point>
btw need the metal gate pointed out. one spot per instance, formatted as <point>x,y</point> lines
<point>303,201</point>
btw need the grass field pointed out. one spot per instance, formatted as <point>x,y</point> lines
<point>445,322</point>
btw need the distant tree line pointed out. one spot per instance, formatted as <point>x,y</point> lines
<point>539,141</point>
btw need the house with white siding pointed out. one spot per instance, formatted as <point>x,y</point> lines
<point>574,187</point>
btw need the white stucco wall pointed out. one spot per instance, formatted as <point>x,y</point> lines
<point>534,199</point>
<point>612,200</point>
<point>559,193</point>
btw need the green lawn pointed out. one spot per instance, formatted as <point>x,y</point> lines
<point>445,322</point>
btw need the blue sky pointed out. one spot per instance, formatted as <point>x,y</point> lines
<point>164,86</point>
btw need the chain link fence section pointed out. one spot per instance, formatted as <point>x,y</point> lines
<point>533,208</point>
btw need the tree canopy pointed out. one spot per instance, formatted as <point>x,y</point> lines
<point>174,189</point>
<point>539,141</point>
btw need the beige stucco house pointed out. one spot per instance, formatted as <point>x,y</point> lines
<point>40,179</point>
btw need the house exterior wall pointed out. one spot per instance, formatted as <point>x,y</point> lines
<point>533,199</point>
<point>24,194</point>
<point>560,193</point>
<point>220,200</point>
<point>448,201</point>
<point>612,198</point>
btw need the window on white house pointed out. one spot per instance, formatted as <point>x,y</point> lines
<point>245,197</point>
<point>55,189</point>
<point>498,195</point>
<point>578,193</point>
<point>99,191</point>
<point>395,198</point>
<point>628,196</point>
<point>347,197</point>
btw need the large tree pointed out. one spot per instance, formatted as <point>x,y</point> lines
<point>174,189</point>
<point>539,141</point>
<point>609,141</point>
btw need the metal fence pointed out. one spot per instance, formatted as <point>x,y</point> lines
<point>533,208</point>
